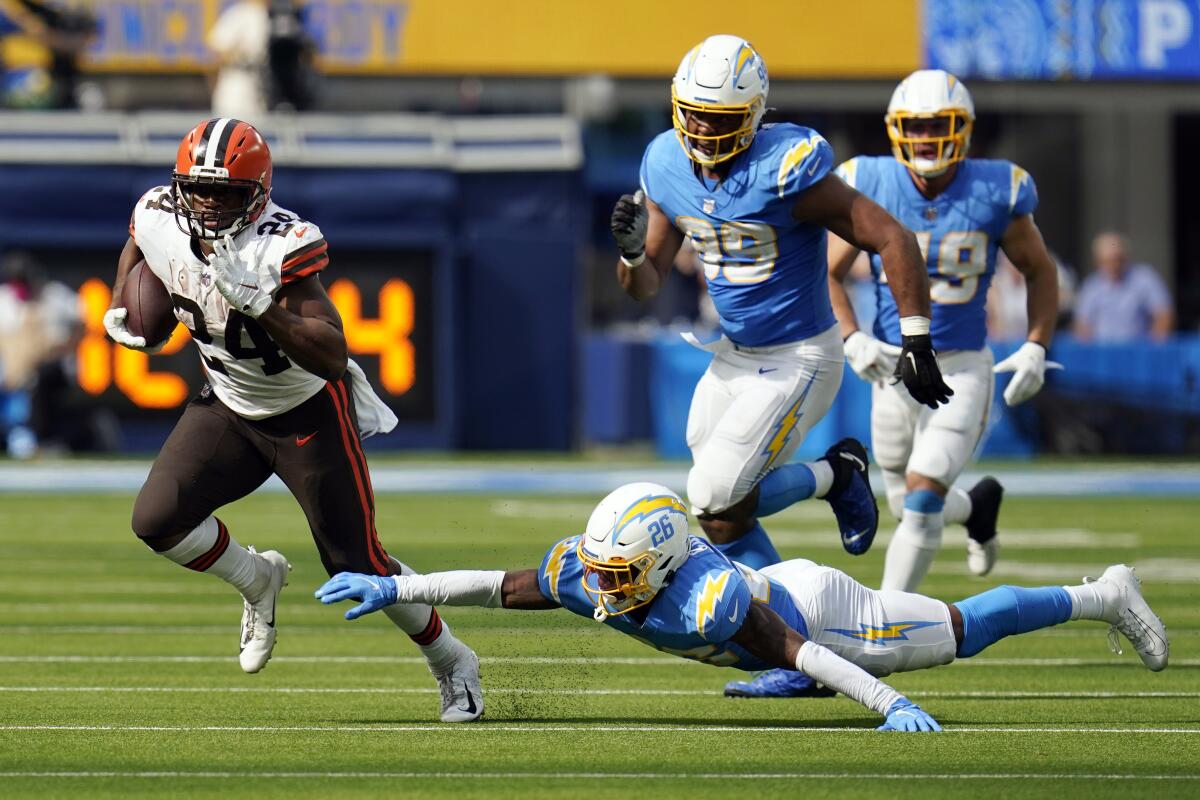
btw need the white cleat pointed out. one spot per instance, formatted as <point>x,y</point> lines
<point>982,557</point>
<point>258,617</point>
<point>1130,614</point>
<point>462,696</point>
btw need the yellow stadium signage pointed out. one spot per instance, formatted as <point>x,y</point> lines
<point>860,38</point>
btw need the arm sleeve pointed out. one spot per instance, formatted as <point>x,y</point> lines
<point>463,587</point>
<point>804,163</point>
<point>1022,198</point>
<point>826,666</point>
<point>644,173</point>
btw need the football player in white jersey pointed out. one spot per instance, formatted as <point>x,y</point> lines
<point>963,210</point>
<point>281,396</point>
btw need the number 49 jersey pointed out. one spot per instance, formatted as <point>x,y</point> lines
<point>959,232</point>
<point>246,369</point>
<point>765,269</point>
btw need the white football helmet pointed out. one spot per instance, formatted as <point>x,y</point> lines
<point>929,121</point>
<point>635,541</point>
<point>721,75</point>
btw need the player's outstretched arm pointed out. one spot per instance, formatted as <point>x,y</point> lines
<point>766,635</point>
<point>648,243</point>
<point>1025,248</point>
<point>486,588</point>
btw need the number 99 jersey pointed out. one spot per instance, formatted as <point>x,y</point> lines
<point>959,232</point>
<point>766,270</point>
<point>246,369</point>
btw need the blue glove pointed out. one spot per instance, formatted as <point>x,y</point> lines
<point>907,716</point>
<point>373,591</point>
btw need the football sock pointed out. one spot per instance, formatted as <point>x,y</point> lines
<point>1008,610</point>
<point>789,484</point>
<point>958,507</point>
<point>895,485</point>
<point>915,542</point>
<point>425,627</point>
<point>210,548</point>
<point>1089,600</point>
<point>753,548</point>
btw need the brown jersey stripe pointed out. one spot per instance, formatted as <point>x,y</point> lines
<point>298,266</point>
<point>304,253</point>
<point>356,449</point>
<point>292,277</point>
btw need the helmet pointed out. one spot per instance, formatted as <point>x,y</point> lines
<point>223,153</point>
<point>721,75</point>
<point>930,94</point>
<point>635,541</point>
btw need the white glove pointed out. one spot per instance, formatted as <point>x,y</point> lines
<point>1029,365</point>
<point>237,280</point>
<point>871,359</point>
<point>114,323</point>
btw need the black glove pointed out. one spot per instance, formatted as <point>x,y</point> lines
<point>918,368</point>
<point>629,220</point>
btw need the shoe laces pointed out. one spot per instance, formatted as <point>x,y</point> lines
<point>1127,625</point>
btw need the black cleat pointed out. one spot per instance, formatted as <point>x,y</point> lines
<point>982,545</point>
<point>851,497</point>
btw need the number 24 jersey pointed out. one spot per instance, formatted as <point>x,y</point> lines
<point>246,369</point>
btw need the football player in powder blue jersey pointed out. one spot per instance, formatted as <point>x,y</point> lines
<point>963,210</point>
<point>636,570</point>
<point>755,202</point>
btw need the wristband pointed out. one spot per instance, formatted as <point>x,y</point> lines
<point>914,326</point>
<point>634,262</point>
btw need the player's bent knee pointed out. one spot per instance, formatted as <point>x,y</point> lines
<point>710,494</point>
<point>153,516</point>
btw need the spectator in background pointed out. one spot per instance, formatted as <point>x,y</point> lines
<point>238,42</point>
<point>46,74</point>
<point>290,54</point>
<point>1122,301</point>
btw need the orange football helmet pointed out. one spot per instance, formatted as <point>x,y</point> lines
<point>222,178</point>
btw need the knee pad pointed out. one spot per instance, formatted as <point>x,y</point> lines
<point>709,494</point>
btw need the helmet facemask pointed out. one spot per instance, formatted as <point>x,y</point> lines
<point>724,145</point>
<point>224,216</point>
<point>617,586</point>
<point>929,144</point>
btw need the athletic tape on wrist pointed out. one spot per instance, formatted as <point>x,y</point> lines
<point>914,326</point>
<point>636,261</point>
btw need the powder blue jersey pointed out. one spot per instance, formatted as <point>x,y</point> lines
<point>766,271</point>
<point>694,616</point>
<point>959,232</point>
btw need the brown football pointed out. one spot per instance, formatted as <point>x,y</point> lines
<point>151,314</point>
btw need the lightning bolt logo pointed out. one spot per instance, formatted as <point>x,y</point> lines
<point>882,634</point>
<point>648,505</point>
<point>785,426</point>
<point>710,595</point>
<point>794,157</point>
<point>554,564</point>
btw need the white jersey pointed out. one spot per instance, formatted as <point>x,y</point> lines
<point>247,370</point>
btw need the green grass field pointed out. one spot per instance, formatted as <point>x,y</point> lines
<point>118,672</point>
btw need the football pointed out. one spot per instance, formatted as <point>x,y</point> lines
<point>151,313</point>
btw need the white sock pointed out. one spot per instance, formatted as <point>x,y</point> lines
<point>425,627</point>
<point>912,549</point>
<point>896,487</point>
<point>958,506</point>
<point>210,548</point>
<point>1089,600</point>
<point>823,474</point>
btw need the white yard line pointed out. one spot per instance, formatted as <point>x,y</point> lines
<point>756,776</point>
<point>520,690</point>
<point>552,728</point>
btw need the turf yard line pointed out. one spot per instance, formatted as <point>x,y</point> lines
<point>620,775</point>
<point>485,728</point>
<point>547,660</point>
<point>522,690</point>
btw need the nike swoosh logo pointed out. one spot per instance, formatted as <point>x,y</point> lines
<point>303,440</point>
<point>854,538</point>
<point>764,370</point>
<point>249,285</point>
<point>857,461</point>
<point>470,709</point>
<point>812,169</point>
<point>301,231</point>
<point>736,606</point>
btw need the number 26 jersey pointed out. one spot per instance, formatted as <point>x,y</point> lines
<point>247,370</point>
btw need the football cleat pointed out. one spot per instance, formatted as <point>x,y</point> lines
<point>258,616</point>
<point>778,683</point>
<point>462,696</point>
<point>982,544</point>
<point>851,497</point>
<point>1130,615</point>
